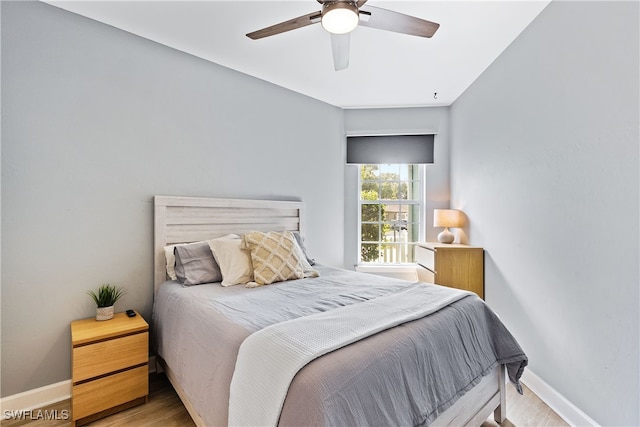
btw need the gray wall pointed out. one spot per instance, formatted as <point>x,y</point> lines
<point>399,120</point>
<point>95,121</point>
<point>544,149</point>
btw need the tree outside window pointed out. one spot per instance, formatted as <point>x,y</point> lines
<point>390,213</point>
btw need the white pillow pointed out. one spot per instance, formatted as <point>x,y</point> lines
<point>235,262</point>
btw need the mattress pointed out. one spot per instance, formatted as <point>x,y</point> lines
<point>406,375</point>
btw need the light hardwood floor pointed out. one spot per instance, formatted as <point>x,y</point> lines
<point>165,409</point>
<point>527,410</point>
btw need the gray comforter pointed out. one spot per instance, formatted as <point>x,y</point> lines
<point>406,375</point>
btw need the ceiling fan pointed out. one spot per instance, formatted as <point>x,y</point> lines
<point>340,17</point>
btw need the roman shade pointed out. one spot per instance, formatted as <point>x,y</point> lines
<point>390,149</point>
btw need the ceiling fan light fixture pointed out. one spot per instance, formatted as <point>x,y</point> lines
<point>339,17</point>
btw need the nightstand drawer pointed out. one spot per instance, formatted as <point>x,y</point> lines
<point>425,257</point>
<point>95,396</point>
<point>93,360</point>
<point>425,275</point>
<point>451,264</point>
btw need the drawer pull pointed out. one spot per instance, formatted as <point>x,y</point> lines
<point>426,268</point>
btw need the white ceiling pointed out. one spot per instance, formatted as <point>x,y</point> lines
<point>386,69</point>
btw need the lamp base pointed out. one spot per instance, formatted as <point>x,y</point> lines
<point>446,236</point>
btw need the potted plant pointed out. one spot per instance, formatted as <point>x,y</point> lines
<point>105,299</point>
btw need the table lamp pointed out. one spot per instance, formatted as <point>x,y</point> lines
<point>447,218</point>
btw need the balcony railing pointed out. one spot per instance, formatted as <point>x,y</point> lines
<point>396,249</point>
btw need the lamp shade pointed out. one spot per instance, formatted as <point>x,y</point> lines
<point>340,17</point>
<point>447,218</point>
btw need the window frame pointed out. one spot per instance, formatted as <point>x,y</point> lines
<point>421,212</point>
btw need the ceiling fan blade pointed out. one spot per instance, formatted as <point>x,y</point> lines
<point>291,24</point>
<point>388,20</point>
<point>340,48</point>
<point>360,3</point>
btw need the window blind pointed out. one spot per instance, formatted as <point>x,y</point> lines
<point>390,149</point>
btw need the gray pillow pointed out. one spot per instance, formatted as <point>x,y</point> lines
<point>195,264</point>
<point>300,241</point>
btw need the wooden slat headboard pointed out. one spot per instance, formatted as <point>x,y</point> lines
<point>191,219</point>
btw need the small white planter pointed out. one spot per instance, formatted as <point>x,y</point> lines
<point>104,313</point>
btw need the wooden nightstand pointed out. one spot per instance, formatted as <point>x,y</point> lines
<point>109,365</point>
<point>453,265</point>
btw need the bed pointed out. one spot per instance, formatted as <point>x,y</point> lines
<point>203,335</point>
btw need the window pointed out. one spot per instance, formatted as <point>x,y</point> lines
<point>390,206</point>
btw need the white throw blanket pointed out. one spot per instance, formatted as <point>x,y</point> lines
<point>270,358</point>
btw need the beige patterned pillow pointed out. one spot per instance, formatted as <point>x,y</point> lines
<point>274,256</point>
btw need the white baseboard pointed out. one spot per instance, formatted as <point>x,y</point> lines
<point>569,412</point>
<point>47,395</point>
<point>37,398</point>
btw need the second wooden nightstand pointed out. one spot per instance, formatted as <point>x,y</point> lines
<point>454,265</point>
<point>109,365</point>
